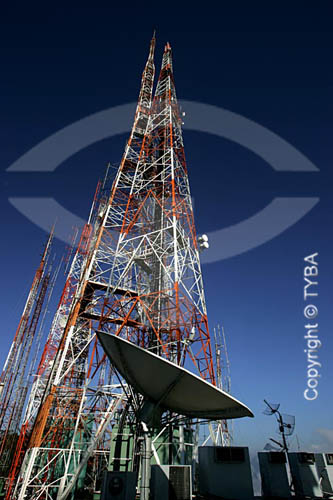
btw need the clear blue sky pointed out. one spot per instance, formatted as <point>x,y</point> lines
<point>272,66</point>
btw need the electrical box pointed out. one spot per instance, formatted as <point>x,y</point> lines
<point>171,482</point>
<point>225,472</point>
<point>119,485</point>
<point>324,465</point>
<point>304,474</point>
<point>273,472</point>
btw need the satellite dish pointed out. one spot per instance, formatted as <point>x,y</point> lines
<point>167,385</point>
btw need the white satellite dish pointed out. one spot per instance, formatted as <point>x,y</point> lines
<point>169,386</point>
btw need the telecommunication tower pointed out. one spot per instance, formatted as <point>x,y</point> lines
<point>136,274</point>
<point>16,375</point>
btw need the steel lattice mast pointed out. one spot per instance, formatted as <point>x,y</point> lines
<point>140,278</point>
<point>220,432</point>
<point>42,375</point>
<point>13,380</point>
<point>77,359</point>
<point>155,279</point>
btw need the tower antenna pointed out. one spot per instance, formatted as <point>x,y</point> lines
<point>286,424</point>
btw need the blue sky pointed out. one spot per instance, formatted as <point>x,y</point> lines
<point>272,66</point>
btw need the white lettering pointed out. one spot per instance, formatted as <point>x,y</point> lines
<point>314,392</point>
<point>310,259</point>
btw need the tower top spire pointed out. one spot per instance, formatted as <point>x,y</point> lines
<point>152,46</point>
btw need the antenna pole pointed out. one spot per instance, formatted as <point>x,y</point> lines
<point>281,426</point>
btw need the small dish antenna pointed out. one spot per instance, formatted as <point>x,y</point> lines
<point>286,424</point>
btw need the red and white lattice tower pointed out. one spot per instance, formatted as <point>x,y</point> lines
<point>140,278</point>
<point>14,378</point>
